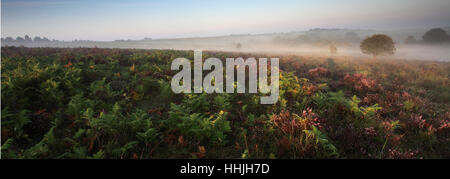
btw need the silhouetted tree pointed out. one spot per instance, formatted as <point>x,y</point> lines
<point>410,40</point>
<point>435,36</point>
<point>378,44</point>
<point>239,46</point>
<point>9,39</point>
<point>20,39</point>
<point>37,39</point>
<point>28,39</point>
<point>333,49</point>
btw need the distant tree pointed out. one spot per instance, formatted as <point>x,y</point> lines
<point>37,39</point>
<point>238,46</point>
<point>410,40</point>
<point>333,49</point>
<point>435,36</point>
<point>9,39</point>
<point>20,39</point>
<point>377,45</point>
<point>28,39</point>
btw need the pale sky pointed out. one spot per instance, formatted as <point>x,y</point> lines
<point>136,19</point>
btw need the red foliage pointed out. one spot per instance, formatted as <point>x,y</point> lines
<point>288,123</point>
<point>359,82</point>
<point>317,72</point>
<point>68,65</point>
<point>312,118</point>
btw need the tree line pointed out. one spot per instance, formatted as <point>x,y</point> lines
<point>27,39</point>
<point>432,36</point>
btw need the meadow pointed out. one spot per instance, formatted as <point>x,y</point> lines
<point>100,103</point>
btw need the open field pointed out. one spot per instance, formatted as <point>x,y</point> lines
<point>118,103</point>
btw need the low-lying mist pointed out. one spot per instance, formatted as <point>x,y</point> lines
<point>313,42</point>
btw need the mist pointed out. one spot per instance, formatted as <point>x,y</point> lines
<point>311,42</point>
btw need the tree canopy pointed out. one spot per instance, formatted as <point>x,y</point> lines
<point>377,45</point>
<point>436,35</point>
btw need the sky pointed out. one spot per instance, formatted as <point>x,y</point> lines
<point>135,19</point>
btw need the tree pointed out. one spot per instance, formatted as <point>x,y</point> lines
<point>410,40</point>
<point>28,38</point>
<point>9,39</point>
<point>20,39</point>
<point>239,46</point>
<point>435,36</point>
<point>333,49</point>
<point>377,45</point>
<point>37,39</point>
